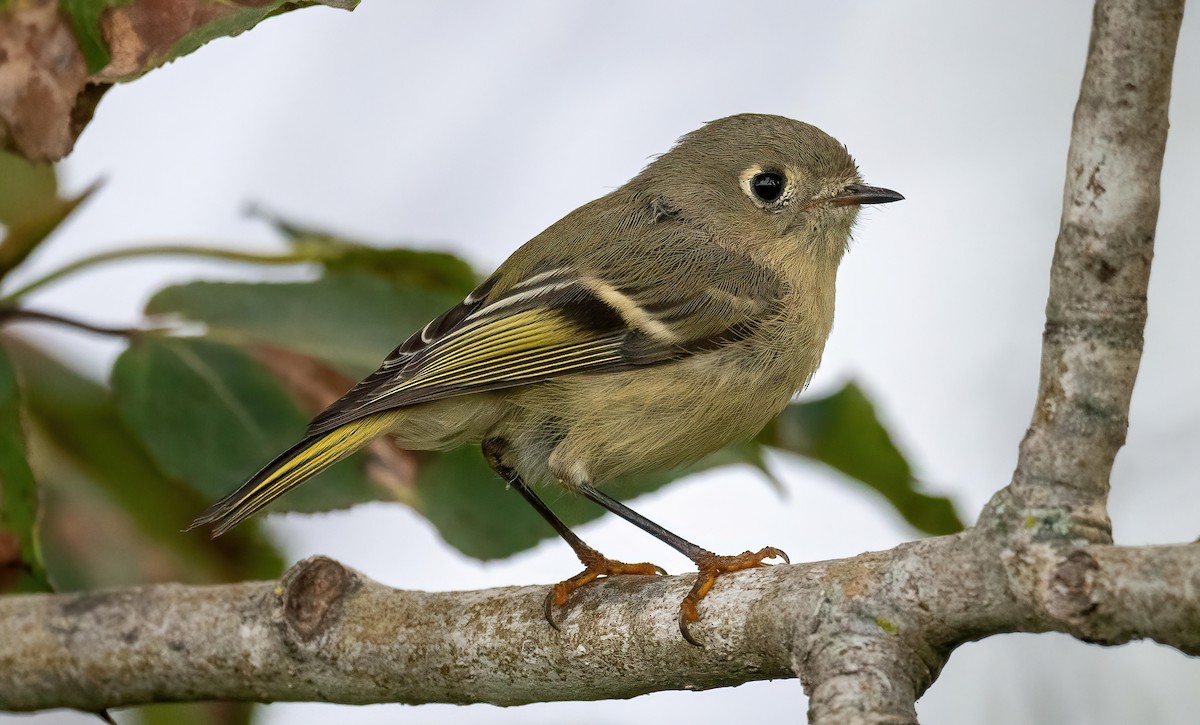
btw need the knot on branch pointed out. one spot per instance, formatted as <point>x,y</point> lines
<point>311,595</point>
<point>1064,589</point>
<point>1069,587</point>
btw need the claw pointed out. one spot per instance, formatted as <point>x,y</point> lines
<point>774,554</point>
<point>687,634</point>
<point>548,608</point>
<point>710,567</point>
<point>596,566</point>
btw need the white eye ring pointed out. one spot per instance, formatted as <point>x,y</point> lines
<point>771,190</point>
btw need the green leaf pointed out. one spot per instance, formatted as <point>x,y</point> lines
<point>193,713</point>
<point>439,271</point>
<point>23,237</point>
<point>21,568</point>
<point>434,271</point>
<point>85,23</point>
<point>351,319</point>
<point>26,189</point>
<point>30,208</point>
<point>210,415</point>
<point>108,502</point>
<point>844,432</point>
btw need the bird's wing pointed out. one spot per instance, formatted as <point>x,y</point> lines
<point>565,320</point>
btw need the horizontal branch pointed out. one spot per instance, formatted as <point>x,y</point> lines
<point>325,632</point>
<point>1112,595</point>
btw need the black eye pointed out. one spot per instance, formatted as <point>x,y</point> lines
<point>767,186</point>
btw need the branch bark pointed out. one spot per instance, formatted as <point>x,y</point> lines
<point>865,635</point>
<point>877,627</point>
<point>1096,312</point>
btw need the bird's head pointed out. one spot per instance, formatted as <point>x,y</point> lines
<point>764,180</point>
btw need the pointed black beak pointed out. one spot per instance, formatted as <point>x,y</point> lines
<point>862,194</point>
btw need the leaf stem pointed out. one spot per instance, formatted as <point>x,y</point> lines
<point>18,314</point>
<point>163,250</point>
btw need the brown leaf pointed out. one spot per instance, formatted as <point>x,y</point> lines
<point>46,92</point>
<point>42,74</point>
<point>141,34</point>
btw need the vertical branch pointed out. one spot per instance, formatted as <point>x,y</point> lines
<point>1096,312</point>
<point>857,677</point>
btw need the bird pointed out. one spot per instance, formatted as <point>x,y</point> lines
<point>648,328</point>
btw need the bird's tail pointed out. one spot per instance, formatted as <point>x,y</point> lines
<point>290,469</point>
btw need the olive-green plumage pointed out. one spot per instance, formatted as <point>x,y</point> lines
<point>644,330</point>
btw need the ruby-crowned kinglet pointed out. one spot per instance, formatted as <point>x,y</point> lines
<point>644,330</point>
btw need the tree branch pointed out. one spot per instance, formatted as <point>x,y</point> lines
<point>1096,312</point>
<point>859,631</point>
<point>1112,595</point>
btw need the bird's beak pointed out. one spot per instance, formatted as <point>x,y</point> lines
<point>858,194</point>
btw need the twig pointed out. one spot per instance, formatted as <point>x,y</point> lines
<point>19,314</point>
<point>163,250</point>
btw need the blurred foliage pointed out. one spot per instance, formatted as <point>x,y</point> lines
<point>21,567</point>
<point>30,207</point>
<point>111,518</point>
<point>186,398</point>
<point>82,452</point>
<point>349,318</point>
<point>844,432</point>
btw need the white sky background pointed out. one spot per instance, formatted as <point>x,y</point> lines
<point>472,126</point>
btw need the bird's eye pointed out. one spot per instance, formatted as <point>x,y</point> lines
<point>767,186</point>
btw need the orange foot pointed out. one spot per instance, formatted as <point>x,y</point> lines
<point>711,566</point>
<point>596,565</point>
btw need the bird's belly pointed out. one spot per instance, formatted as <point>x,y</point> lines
<point>648,419</point>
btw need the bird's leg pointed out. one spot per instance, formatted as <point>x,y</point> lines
<point>710,565</point>
<point>595,564</point>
